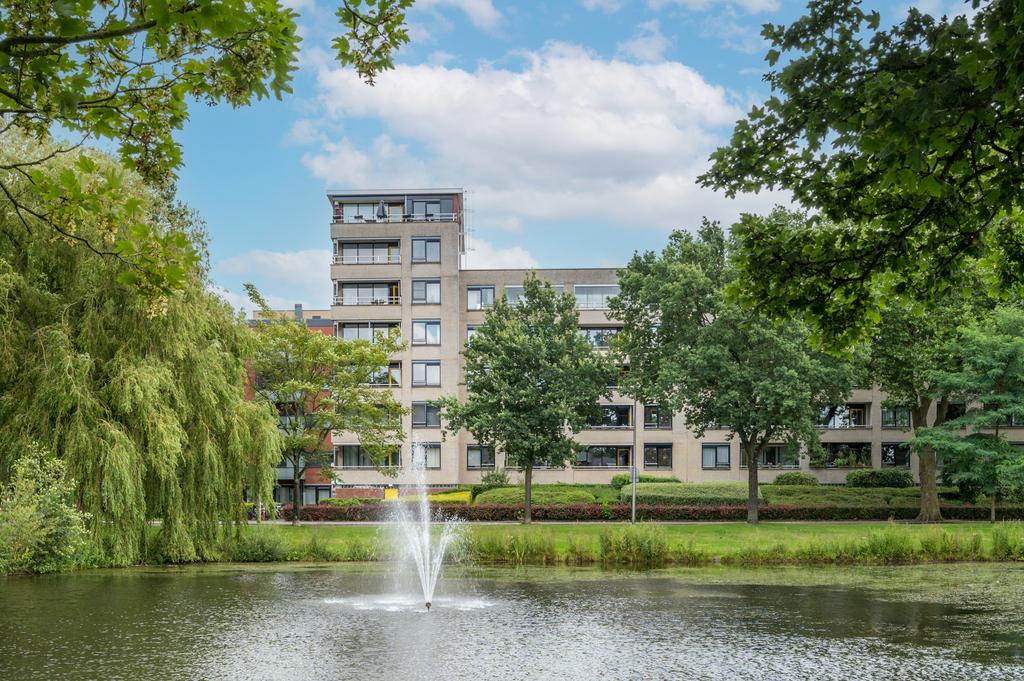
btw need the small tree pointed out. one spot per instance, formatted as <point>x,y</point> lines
<point>320,384</point>
<point>533,381</point>
<point>989,378</point>
<point>691,350</point>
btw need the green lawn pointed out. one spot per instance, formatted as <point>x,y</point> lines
<point>734,543</point>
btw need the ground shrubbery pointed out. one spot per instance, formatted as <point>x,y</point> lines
<point>41,530</point>
<point>351,501</point>
<point>795,478</point>
<point>550,494</point>
<point>841,496</point>
<point>258,545</point>
<point>620,480</point>
<point>880,477</point>
<point>686,493</point>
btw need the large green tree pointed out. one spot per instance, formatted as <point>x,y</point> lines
<point>124,70</point>
<point>146,407</point>
<point>320,384</point>
<point>908,145</point>
<point>533,381</point>
<point>988,377</point>
<point>722,366</point>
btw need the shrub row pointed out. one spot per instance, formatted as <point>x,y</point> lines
<point>880,477</point>
<point>620,480</point>
<point>596,512</point>
<point>560,494</point>
<point>687,493</point>
<point>795,478</point>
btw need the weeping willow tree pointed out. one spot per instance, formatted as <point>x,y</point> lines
<point>145,404</point>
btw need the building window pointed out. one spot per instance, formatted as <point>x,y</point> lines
<point>354,456</point>
<point>425,415</point>
<point>369,293</point>
<point>371,331</point>
<point>715,456</point>
<point>896,455</point>
<point>514,294</point>
<point>843,455</point>
<point>367,253</point>
<point>658,456</point>
<point>479,297</point>
<point>426,373</point>
<point>470,330</point>
<point>389,376</point>
<point>604,456</point>
<point>599,337</point>
<point>479,456</point>
<point>432,455</point>
<point>432,209</point>
<point>657,418</point>
<point>594,297</point>
<point>895,417</point>
<point>615,416</point>
<point>845,416</point>
<point>426,291</point>
<point>426,332</point>
<point>426,250</point>
<point>775,456</point>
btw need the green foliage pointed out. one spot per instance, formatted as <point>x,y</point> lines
<point>690,349</point>
<point>795,478</point>
<point>124,71</point>
<point>41,530</point>
<point>320,384</point>
<point>880,477</point>
<point>146,408</point>
<point>549,494</point>
<point>495,478</point>
<point>906,145</point>
<point>687,493</point>
<point>619,480</point>
<point>351,501</point>
<point>634,545</point>
<point>258,545</point>
<point>532,380</point>
<point>318,550</point>
<point>876,497</point>
<point>517,547</point>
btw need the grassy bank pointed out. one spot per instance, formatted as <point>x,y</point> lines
<point>656,545</point>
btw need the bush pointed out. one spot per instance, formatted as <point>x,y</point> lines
<point>556,494</point>
<point>458,496</point>
<point>796,478</point>
<point>620,480</point>
<point>41,530</point>
<point>841,496</point>
<point>258,545</point>
<point>880,477</point>
<point>635,546</point>
<point>350,501</point>
<point>687,493</point>
<point>496,478</point>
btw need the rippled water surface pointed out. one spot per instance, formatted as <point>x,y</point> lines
<point>355,622</point>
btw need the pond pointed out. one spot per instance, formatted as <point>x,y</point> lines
<point>352,621</point>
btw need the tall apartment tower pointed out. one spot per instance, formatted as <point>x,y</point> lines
<point>398,257</point>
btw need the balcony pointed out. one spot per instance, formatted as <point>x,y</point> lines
<point>368,293</point>
<point>340,218</point>
<point>368,300</point>
<point>594,297</point>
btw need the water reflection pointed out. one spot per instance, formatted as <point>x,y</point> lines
<point>939,622</point>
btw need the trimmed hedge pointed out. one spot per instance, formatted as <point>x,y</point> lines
<point>620,480</point>
<point>880,477</point>
<point>539,495</point>
<point>794,478</point>
<point>687,493</point>
<point>797,495</point>
<point>597,512</point>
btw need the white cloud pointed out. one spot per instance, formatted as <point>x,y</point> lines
<point>565,135</point>
<point>481,13</point>
<point>483,255</point>
<point>606,6</point>
<point>649,44</point>
<point>302,273</point>
<point>752,6</point>
<point>736,36</point>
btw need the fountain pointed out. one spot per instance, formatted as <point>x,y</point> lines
<point>415,520</point>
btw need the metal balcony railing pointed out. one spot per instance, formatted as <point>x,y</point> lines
<point>367,300</point>
<point>404,217</point>
<point>383,259</point>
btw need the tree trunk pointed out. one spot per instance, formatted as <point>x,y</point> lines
<point>527,493</point>
<point>992,517</point>
<point>926,464</point>
<point>296,494</point>
<point>926,469</point>
<point>752,491</point>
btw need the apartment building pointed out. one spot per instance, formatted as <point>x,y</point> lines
<point>398,265</point>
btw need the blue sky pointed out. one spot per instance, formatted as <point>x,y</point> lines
<point>576,126</point>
